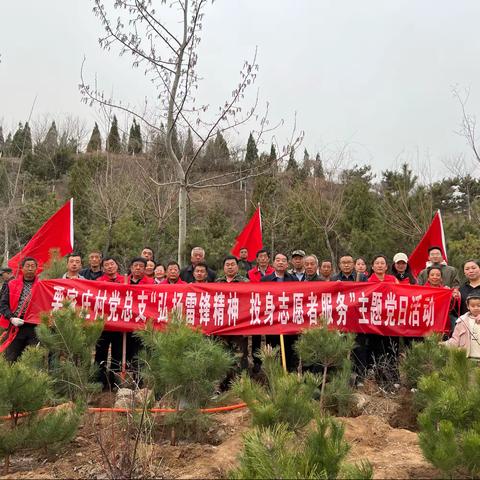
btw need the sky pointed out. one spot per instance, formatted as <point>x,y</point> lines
<point>375,76</point>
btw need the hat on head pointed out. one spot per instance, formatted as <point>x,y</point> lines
<point>298,253</point>
<point>400,257</point>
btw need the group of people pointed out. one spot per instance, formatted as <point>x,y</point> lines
<point>299,266</point>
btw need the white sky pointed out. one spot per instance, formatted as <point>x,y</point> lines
<point>376,74</point>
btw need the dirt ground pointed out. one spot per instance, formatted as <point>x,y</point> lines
<point>393,452</point>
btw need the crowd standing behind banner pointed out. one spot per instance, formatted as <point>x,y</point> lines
<point>15,295</point>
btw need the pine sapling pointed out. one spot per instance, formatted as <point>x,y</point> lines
<point>70,339</point>
<point>24,390</point>
<point>324,347</point>
<point>285,398</point>
<point>181,363</point>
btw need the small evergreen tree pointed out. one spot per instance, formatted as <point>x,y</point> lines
<point>251,155</point>
<point>50,144</point>
<point>7,149</point>
<point>134,139</point>
<point>189,378</point>
<point>286,398</point>
<point>292,165</point>
<point>276,452</point>
<point>449,423</point>
<point>318,167</point>
<point>114,144</point>
<point>324,347</point>
<point>95,142</point>
<point>422,358</point>
<point>71,338</point>
<point>2,142</point>
<point>18,141</point>
<point>24,389</point>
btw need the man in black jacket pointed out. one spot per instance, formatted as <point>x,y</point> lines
<point>197,255</point>
<point>280,264</point>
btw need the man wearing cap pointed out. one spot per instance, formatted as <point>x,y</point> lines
<point>6,274</point>
<point>435,259</point>
<point>297,263</point>
<point>401,269</point>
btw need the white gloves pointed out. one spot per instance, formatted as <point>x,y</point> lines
<point>17,322</point>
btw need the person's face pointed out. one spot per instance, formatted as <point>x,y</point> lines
<point>310,265</point>
<point>435,256</point>
<point>471,271</point>
<point>110,267</point>
<point>297,262</point>
<point>326,269</point>
<point>159,272</point>
<point>137,269</point>
<point>474,307</point>
<point>280,263</point>
<point>244,254</point>
<point>29,270</point>
<point>379,265</point>
<point>263,260</point>
<point>173,273</point>
<point>197,256</point>
<point>200,274</point>
<point>6,276</point>
<point>150,268</point>
<point>435,277</point>
<point>74,264</point>
<point>94,260</point>
<point>401,266</point>
<point>147,253</point>
<point>360,266</point>
<point>346,264</point>
<point>230,268</point>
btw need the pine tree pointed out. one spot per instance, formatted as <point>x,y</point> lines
<point>138,136</point>
<point>318,167</point>
<point>95,142</point>
<point>27,140</point>
<point>188,149</point>
<point>449,426</point>
<point>8,146</point>
<point>222,153</point>
<point>135,139</point>
<point>114,144</point>
<point>167,372</point>
<point>16,149</point>
<point>2,142</point>
<point>50,144</point>
<point>251,155</point>
<point>70,338</point>
<point>272,159</point>
<point>276,452</point>
<point>24,389</point>
<point>324,348</point>
<point>286,398</point>
<point>292,165</point>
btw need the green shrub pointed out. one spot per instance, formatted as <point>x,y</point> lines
<point>70,339</point>
<point>325,348</point>
<point>449,421</point>
<point>276,452</point>
<point>422,358</point>
<point>285,398</point>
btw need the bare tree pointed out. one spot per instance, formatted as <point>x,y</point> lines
<point>168,53</point>
<point>468,124</point>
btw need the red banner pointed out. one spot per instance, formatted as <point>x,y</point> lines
<point>249,309</point>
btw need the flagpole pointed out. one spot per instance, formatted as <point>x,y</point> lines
<point>282,350</point>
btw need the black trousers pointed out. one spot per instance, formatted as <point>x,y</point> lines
<point>107,340</point>
<point>26,336</point>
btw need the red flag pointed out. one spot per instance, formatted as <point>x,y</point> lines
<point>55,233</point>
<point>433,237</point>
<point>250,237</point>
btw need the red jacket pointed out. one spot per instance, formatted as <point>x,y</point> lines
<point>387,279</point>
<point>178,282</point>
<point>15,288</point>
<point>254,274</point>
<point>106,278</point>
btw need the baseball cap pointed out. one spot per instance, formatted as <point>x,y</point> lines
<point>298,253</point>
<point>400,257</point>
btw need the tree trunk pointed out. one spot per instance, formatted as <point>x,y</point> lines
<point>330,250</point>
<point>5,232</point>
<point>182,224</point>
